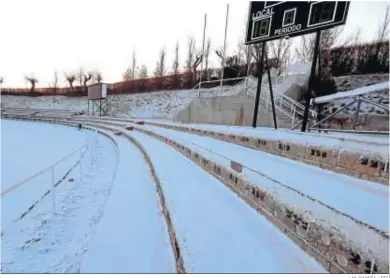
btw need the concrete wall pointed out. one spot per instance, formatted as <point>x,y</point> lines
<point>229,110</point>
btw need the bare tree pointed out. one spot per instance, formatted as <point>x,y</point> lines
<point>80,76</point>
<point>329,38</point>
<point>280,51</point>
<point>176,60</point>
<point>33,81</point>
<point>143,72</point>
<point>160,65</point>
<point>87,77</point>
<point>354,38</point>
<point>1,80</point>
<point>97,76</point>
<point>206,58</point>
<point>195,65</point>
<point>70,77</point>
<point>127,75</point>
<point>191,44</point>
<point>304,51</point>
<point>133,65</point>
<point>383,28</point>
<point>219,52</point>
<point>54,84</point>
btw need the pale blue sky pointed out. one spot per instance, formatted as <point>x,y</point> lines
<point>42,35</point>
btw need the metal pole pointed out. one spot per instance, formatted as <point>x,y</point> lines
<point>201,65</point>
<point>53,190</point>
<point>356,118</point>
<point>312,73</point>
<point>260,67</point>
<point>293,119</point>
<point>335,113</point>
<point>375,104</point>
<point>319,110</point>
<point>270,91</point>
<point>224,45</point>
<point>247,70</point>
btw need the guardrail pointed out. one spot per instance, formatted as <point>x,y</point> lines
<point>81,151</point>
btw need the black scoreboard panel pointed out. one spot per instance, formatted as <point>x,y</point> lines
<point>270,20</point>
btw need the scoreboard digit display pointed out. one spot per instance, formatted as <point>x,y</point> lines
<point>270,20</point>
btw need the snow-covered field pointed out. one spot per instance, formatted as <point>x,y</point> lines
<point>42,241</point>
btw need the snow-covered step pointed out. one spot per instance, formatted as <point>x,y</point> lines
<point>217,231</point>
<point>132,236</point>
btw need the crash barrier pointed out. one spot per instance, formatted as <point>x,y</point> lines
<point>336,254</point>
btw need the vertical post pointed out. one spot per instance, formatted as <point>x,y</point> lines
<point>53,194</point>
<point>319,110</point>
<point>100,107</point>
<point>356,117</point>
<point>293,119</point>
<point>224,46</point>
<point>247,70</point>
<point>201,65</point>
<point>88,107</point>
<point>312,73</point>
<point>260,67</point>
<point>270,91</point>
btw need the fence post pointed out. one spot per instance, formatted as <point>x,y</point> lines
<point>53,190</point>
<point>293,118</point>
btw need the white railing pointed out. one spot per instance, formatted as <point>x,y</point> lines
<point>283,104</point>
<point>41,191</point>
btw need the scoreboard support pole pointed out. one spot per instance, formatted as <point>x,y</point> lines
<point>271,91</point>
<point>260,67</point>
<point>310,85</point>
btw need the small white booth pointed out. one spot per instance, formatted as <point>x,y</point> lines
<point>97,95</point>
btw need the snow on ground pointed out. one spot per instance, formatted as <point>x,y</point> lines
<point>217,231</point>
<point>352,93</point>
<point>374,144</point>
<point>28,147</point>
<point>132,236</point>
<point>164,104</point>
<point>45,243</point>
<point>329,188</point>
<point>300,176</point>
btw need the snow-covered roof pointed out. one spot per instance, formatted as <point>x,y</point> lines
<point>353,93</point>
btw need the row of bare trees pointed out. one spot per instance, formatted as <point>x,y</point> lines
<point>75,79</point>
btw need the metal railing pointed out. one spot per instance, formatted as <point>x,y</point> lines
<point>80,152</point>
<point>284,105</point>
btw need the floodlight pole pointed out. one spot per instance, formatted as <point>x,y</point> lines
<point>201,65</point>
<point>310,85</point>
<point>260,67</point>
<point>224,45</point>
